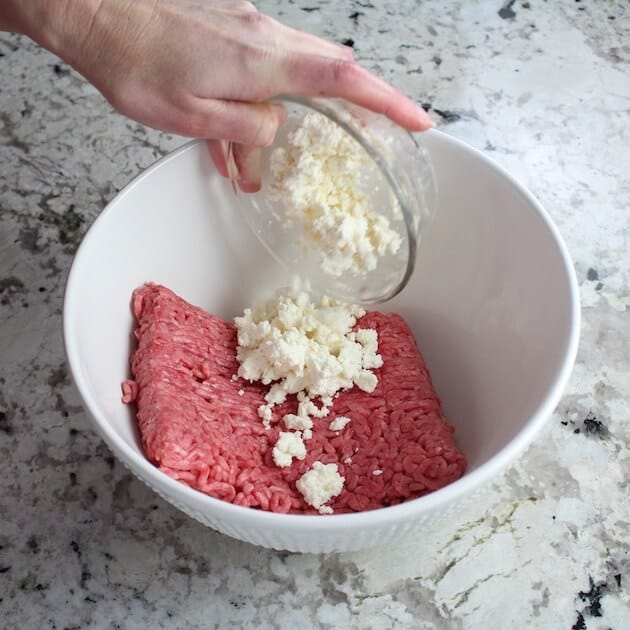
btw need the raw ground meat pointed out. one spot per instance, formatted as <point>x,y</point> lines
<point>197,428</point>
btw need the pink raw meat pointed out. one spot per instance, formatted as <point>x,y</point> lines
<point>197,428</point>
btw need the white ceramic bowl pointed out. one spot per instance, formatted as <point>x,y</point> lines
<point>493,303</point>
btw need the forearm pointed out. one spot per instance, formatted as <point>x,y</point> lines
<point>202,68</point>
<point>54,24</point>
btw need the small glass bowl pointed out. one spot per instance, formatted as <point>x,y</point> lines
<point>400,182</point>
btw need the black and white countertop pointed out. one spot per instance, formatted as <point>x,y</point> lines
<point>543,87</point>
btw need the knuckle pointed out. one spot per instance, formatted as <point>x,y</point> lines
<point>192,122</point>
<point>184,100</point>
<point>190,127</point>
<point>343,70</point>
<point>264,132</point>
<point>244,5</point>
<point>121,97</point>
<point>348,53</point>
<point>256,21</point>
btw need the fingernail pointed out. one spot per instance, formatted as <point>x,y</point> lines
<point>425,120</point>
<point>252,167</point>
<point>249,187</point>
<point>232,168</point>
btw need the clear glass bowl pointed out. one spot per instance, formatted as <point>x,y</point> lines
<point>398,179</point>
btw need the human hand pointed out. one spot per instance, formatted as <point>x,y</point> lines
<point>207,69</point>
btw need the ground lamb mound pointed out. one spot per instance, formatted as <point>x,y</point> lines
<point>200,425</point>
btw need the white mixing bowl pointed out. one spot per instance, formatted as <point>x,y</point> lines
<point>493,303</point>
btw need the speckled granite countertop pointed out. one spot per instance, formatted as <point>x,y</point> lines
<point>541,86</point>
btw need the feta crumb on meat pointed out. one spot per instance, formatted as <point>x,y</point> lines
<point>301,347</point>
<point>288,446</point>
<point>312,350</point>
<point>339,423</point>
<point>298,423</point>
<point>321,484</point>
<point>264,411</point>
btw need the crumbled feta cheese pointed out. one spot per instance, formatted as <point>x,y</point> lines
<point>264,411</point>
<point>327,401</point>
<point>319,485</point>
<point>347,461</point>
<point>370,358</point>
<point>306,407</point>
<point>377,472</point>
<point>298,423</point>
<point>366,381</point>
<point>298,346</point>
<point>288,446</point>
<point>318,179</point>
<point>241,392</point>
<point>339,423</point>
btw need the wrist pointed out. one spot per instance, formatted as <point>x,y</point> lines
<point>57,25</point>
<point>24,16</point>
<point>11,16</point>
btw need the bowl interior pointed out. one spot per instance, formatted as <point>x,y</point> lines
<point>492,301</point>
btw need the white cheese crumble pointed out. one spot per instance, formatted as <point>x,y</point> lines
<point>319,485</point>
<point>298,423</point>
<point>300,347</point>
<point>264,411</point>
<point>317,178</point>
<point>288,446</point>
<point>377,472</point>
<point>339,423</point>
<point>306,407</point>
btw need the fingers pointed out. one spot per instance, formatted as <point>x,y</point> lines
<point>307,43</point>
<point>318,75</point>
<point>231,6</point>
<point>247,160</point>
<point>240,161</point>
<point>346,51</point>
<point>218,153</point>
<point>317,67</point>
<point>250,124</point>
